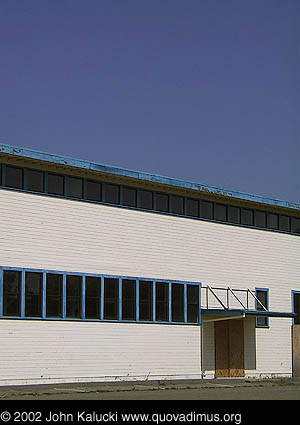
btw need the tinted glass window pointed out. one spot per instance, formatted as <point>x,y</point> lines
<point>93,191</point>
<point>247,217</point>
<point>128,299</point>
<point>14,177</point>
<point>0,174</point>
<point>73,304</point>
<point>162,301</point>
<point>11,293</point>
<point>295,225</point>
<point>55,184</point>
<point>177,302</point>
<point>35,181</point>
<point>54,295</point>
<point>177,204</point>
<point>145,301</point>
<point>221,212</point>
<point>162,202</point>
<point>296,303</point>
<point>129,197</point>
<point>284,223</point>
<point>207,210</point>
<point>112,193</point>
<point>193,303</point>
<point>33,294</point>
<point>192,207</point>
<point>146,199</point>
<point>75,187</point>
<point>263,298</point>
<point>260,219</point>
<point>272,221</point>
<point>234,214</point>
<point>111,291</point>
<point>92,297</point>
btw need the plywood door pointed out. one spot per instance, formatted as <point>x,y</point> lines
<point>296,350</point>
<point>222,348</point>
<point>229,348</point>
<point>236,348</point>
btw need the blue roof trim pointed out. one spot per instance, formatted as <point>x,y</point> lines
<point>139,175</point>
<point>237,312</point>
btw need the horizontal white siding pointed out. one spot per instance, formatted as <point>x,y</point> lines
<point>36,351</point>
<point>60,234</point>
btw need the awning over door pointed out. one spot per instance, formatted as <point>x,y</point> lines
<point>241,313</point>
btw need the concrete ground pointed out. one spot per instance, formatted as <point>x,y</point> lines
<point>217,389</point>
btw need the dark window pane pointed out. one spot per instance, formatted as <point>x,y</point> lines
<point>33,294</point>
<point>295,225</point>
<point>272,221</point>
<point>0,174</point>
<point>162,302</point>
<point>162,202</point>
<point>93,191</point>
<point>111,299</point>
<point>177,204</point>
<point>55,184</point>
<point>112,193</point>
<point>75,187</point>
<point>177,302</point>
<point>146,199</point>
<point>192,207</point>
<point>54,295</point>
<point>145,301</point>
<point>284,223</point>
<point>92,297</point>
<point>297,308</point>
<point>207,210</point>
<point>247,217</point>
<point>234,214</point>
<point>73,303</point>
<point>11,293</point>
<point>35,181</point>
<point>14,177</point>
<point>260,219</point>
<point>128,299</point>
<point>221,212</point>
<point>193,303</point>
<point>263,298</point>
<point>129,196</point>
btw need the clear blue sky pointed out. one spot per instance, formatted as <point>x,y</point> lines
<point>202,90</point>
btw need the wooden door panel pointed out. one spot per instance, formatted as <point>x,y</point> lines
<point>296,350</point>
<point>222,349</point>
<point>236,348</point>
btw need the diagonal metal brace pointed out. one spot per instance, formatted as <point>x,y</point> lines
<point>235,296</point>
<point>216,296</point>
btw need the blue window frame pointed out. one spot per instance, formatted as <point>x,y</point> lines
<point>81,189</point>
<point>263,296</point>
<point>59,295</point>
<point>296,306</point>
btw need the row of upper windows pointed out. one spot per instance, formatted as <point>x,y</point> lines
<point>78,188</point>
<point>66,296</point>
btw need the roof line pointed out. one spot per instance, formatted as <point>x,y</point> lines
<point>140,175</point>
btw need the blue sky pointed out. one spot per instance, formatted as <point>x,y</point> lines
<point>201,90</point>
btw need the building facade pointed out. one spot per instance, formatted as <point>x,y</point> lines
<point>111,274</point>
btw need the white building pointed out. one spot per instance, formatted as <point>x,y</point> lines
<point>111,274</point>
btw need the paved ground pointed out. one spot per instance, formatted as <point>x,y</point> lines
<point>234,389</point>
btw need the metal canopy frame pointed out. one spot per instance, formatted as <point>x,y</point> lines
<point>227,313</point>
<point>229,290</point>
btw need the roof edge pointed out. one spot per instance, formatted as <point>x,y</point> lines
<point>140,175</point>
